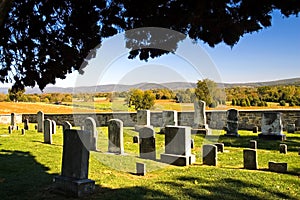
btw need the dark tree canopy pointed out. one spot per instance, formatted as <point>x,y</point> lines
<point>41,40</point>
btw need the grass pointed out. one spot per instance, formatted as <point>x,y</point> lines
<point>27,167</point>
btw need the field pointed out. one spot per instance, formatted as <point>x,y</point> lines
<point>28,166</point>
<point>106,106</point>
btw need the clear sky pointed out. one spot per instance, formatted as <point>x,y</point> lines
<point>270,54</point>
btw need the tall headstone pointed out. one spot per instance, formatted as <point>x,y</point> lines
<point>178,146</point>
<point>115,136</point>
<point>169,117</point>
<point>200,125</point>
<point>47,131</point>
<point>232,123</point>
<point>73,180</point>
<point>26,124</point>
<point>291,128</point>
<point>90,126</point>
<point>40,121</point>
<point>13,120</point>
<point>53,123</point>
<point>142,119</point>
<point>271,126</point>
<point>147,143</point>
<point>250,159</point>
<point>209,154</point>
<point>66,125</point>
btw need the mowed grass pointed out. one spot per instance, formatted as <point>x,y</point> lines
<point>27,168</point>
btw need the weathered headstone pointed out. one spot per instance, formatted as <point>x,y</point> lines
<point>53,123</point>
<point>253,144</point>
<point>47,131</point>
<point>291,128</point>
<point>200,125</point>
<point>135,139</point>
<point>297,124</point>
<point>192,143</point>
<point>255,129</point>
<point>90,126</point>
<point>23,131</point>
<point>115,136</point>
<point>220,147</point>
<point>250,159</point>
<point>232,123</point>
<point>147,143</point>
<point>278,167</point>
<point>142,119</point>
<point>141,169</point>
<point>271,126</point>
<point>9,129</point>
<point>13,120</point>
<point>40,121</point>
<point>209,154</point>
<point>283,148</point>
<point>178,146</point>
<point>169,117</point>
<point>66,125</point>
<point>73,180</point>
<point>26,124</point>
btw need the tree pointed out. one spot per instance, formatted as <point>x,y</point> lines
<point>140,99</point>
<point>15,95</point>
<point>44,40</point>
<point>208,91</point>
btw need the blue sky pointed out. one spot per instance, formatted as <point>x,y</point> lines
<point>270,54</point>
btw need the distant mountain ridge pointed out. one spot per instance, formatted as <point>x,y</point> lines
<point>146,86</point>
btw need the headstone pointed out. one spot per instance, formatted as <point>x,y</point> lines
<point>115,136</point>
<point>9,129</point>
<point>40,121</point>
<point>53,123</point>
<point>169,117</point>
<point>141,169</point>
<point>35,127</point>
<point>253,144</point>
<point>66,125</point>
<point>271,126</point>
<point>283,148</point>
<point>47,131</point>
<point>278,167</point>
<point>209,154</point>
<point>135,139</point>
<point>232,123</point>
<point>147,143</point>
<point>26,124</point>
<point>291,128</point>
<point>90,126</point>
<point>192,144</point>
<point>17,127</point>
<point>200,125</point>
<point>220,147</point>
<point>255,129</point>
<point>178,146</point>
<point>250,159</point>
<point>73,180</point>
<point>13,120</point>
<point>297,124</point>
<point>142,119</point>
<point>23,131</point>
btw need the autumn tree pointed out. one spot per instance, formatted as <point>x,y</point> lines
<point>15,95</point>
<point>141,100</point>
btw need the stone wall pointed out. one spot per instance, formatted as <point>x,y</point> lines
<point>215,119</point>
<point>6,119</point>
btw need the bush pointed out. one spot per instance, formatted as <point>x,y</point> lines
<point>282,103</point>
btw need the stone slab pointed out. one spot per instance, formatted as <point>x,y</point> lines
<point>178,160</point>
<point>272,137</point>
<point>278,167</point>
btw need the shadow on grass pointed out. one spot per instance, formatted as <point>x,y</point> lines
<point>21,176</point>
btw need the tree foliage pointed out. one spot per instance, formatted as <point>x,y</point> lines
<point>44,40</point>
<point>141,100</point>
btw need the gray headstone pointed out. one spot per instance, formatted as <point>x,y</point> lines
<point>253,144</point>
<point>278,167</point>
<point>147,143</point>
<point>26,124</point>
<point>13,120</point>
<point>178,146</point>
<point>135,139</point>
<point>90,126</point>
<point>297,123</point>
<point>47,131</point>
<point>53,127</point>
<point>250,159</point>
<point>115,136</point>
<point>291,128</point>
<point>66,125</point>
<point>23,131</point>
<point>9,129</point>
<point>232,122</point>
<point>75,163</point>
<point>40,121</point>
<point>169,117</point>
<point>220,147</point>
<point>192,144</point>
<point>140,169</point>
<point>271,123</point>
<point>199,114</point>
<point>283,148</point>
<point>143,117</point>
<point>209,154</point>
<point>255,129</point>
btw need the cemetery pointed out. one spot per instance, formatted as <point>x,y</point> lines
<point>143,157</point>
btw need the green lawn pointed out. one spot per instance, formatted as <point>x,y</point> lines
<point>27,168</point>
